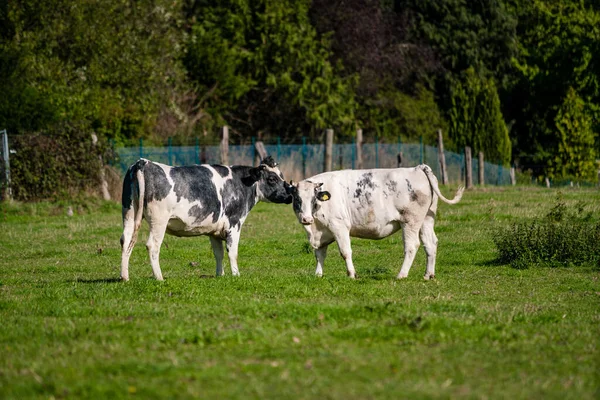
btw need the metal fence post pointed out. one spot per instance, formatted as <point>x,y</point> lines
<point>141,148</point>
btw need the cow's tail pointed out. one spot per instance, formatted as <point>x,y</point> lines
<point>434,185</point>
<point>140,183</point>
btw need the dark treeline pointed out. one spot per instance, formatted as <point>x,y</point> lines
<point>516,79</point>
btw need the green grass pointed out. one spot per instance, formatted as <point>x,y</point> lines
<point>70,329</point>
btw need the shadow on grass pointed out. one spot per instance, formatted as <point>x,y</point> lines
<point>99,280</point>
<point>496,262</point>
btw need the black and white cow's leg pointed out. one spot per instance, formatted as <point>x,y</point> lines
<point>410,235</point>
<point>430,243</point>
<point>217,248</point>
<point>155,239</point>
<point>342,237</point>
<point>320,255</point>
<point>233,241</point>
<point>127,242</point>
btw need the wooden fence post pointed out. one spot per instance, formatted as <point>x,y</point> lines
<point>513,178</point>
<point>103,183</point>
<point>225,146</point>
<point>7,192</point>
<point>468,168</point>
<point>481,171</point>
<point>359,158</point>
<point>261,152</point>
<point>442,158</point>
<point>328,162</point>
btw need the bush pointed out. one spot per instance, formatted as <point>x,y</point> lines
<point>59,164</point>
<point>562,238</point>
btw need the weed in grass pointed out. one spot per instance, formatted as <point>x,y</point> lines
<point>564,237</point>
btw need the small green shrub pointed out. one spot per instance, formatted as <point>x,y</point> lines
<point>563,237</point>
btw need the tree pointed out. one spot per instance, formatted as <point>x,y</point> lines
<point>575,156</point>
<point>559,52</point>
<point>394,91</point>
<point>265,70</point>
<point>476,119</point>
<point>108,65</point>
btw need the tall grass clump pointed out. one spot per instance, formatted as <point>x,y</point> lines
<point>563,237</point>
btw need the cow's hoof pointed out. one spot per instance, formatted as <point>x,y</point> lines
<point>125,279</point>
<point>401,276</point>
<point>429,277</point>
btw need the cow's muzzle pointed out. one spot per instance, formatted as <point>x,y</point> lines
<point>306,220</point>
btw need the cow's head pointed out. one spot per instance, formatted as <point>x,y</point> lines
<point>271,186</point>
<point>308,197</point>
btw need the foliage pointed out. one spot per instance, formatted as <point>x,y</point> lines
<point>392,114</point>
<point>467,34</point>
<point>476,119</point>
<point>62,163</point>
<point>576,156</point>
<point>108,64</point>
<point>265,70</point>
<point>564,237</point>
<point>559,51</point>
<point>486,71</point>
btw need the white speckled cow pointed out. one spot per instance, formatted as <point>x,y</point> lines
<point>195,200</point>
<point>370,204</point>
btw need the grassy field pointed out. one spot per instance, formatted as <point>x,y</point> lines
<point>70,329</point>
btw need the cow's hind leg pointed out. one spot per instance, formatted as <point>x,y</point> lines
<point>410,235</point>
<point>155,239</point>
<point>320,255</point>
<point>128,240</point>
<point>217,248</point>
<point>430,243</point>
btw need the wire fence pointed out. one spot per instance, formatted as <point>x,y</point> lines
<point>299,161</point>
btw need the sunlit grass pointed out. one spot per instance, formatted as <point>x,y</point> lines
<point>70,329</point>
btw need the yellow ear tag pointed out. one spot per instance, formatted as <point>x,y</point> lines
<point>325,197</point>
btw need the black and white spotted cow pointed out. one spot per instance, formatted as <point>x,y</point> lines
<point>370,204</point>
<point>195,200</point>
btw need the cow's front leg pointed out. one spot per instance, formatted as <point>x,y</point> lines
<point>217,248</point>
<point>155,239</point>
<point>233,240</point>
<point>343,240</point>
<point>320,255</point>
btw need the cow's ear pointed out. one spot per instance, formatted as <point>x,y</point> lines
<point>323,196</point>
<point>255,174</point>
